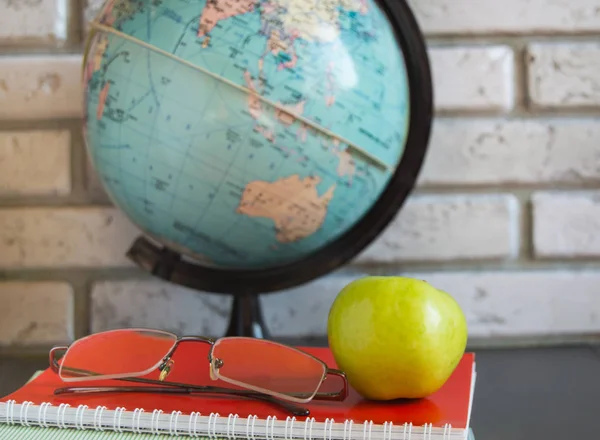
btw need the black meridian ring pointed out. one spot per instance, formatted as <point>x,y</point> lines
<point>167,264</point>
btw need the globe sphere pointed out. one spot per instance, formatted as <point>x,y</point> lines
<point>249,134</point>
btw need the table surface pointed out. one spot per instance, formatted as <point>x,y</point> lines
<point>520,394</point>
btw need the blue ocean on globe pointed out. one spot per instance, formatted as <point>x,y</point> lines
<point>245,134</point>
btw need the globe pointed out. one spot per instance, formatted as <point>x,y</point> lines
<point>263,139</point>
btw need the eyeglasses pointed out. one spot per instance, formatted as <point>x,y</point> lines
<point>257,368</point>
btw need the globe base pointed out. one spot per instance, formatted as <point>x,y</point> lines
<point>246,317</point>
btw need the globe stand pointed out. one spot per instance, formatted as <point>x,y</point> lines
<point>246,317</point>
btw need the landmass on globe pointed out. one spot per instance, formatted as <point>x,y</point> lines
<point>284,21</point>
<point>225,127</point>
<point>292,203</point>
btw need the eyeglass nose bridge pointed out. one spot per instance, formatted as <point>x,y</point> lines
<point>215,365</point>
<point>165,369</point>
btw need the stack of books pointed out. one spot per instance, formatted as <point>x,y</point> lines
<point>35,411</point>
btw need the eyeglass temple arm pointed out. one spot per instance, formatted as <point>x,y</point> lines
<point>289,407</point>
<point>53,357</point>
<point>335,396</point>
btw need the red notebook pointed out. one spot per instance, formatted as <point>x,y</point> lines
<point>446,413</point>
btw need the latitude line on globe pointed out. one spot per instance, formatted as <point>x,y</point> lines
<point>323,130</point>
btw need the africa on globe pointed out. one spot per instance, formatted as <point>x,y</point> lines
<point>245,133</point>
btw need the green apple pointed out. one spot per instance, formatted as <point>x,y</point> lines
<point>396,337</point>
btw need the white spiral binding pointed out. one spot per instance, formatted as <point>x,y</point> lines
<point>289,427</point>
<point>117,419</point>
<point>348,426</point>
<point>447,431</point>
<point>269,418</point>
<point>23,413</point>
<point>212,421</point>
<point>79,423</point>
<point>387,430</point>
<point>229,425</point>
<point>213,425</point>
<point>327,429</point>
<point>370,425</point>
<point>98,418</point>
<point>308,424</point>
<point>253,426</point>
<point>137,413</point>
<point>215,421</point>
<point>193,424</point>
<point>273,421</point>
<point>270,435</point>
<point>10,408</point>
<point>60,419</point>
<point>154,425</point>
<point>42,416</point>
<point>173,423</point>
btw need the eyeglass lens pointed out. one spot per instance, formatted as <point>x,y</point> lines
<point>268,367</point>
<point>115,354</point>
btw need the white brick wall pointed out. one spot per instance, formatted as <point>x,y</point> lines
<point>496,304</point>
<point>35,313</point>
<point>431,228</point>
<point>40,87</point>
<point>64,237</point>
<point>35,163</point>
<point>473,78</point>
<point>490,17</point>
<point>33,22</point>
<point>566,224</point>
<point>134,303</point>
<point>495,151</point>
<point>506,216</point>
<point>564,74</point>
<point>447,228</point>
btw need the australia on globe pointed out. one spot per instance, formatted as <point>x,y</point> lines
<point>244,133</point>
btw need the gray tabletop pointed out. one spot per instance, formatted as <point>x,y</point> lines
<point>521,394</point>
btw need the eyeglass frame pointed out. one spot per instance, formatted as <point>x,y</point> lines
<point>166,387</point>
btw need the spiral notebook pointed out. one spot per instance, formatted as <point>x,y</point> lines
<point>443,415</point>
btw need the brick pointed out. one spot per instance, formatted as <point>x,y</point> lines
<point>444,228</point>
<point>566,224</point>
<point>35,313</point>
<point>36,21</point>
<point>496,304</point>
<point>64,237</point>
<point>467,17</point>
<point>35,163</point>
<point>157,304</point>
<point>473,78</point>
<point>482,151</point>
<point>40,87</point>
<point>564,75</point>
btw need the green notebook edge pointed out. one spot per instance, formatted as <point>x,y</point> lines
<point>38,433</point>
